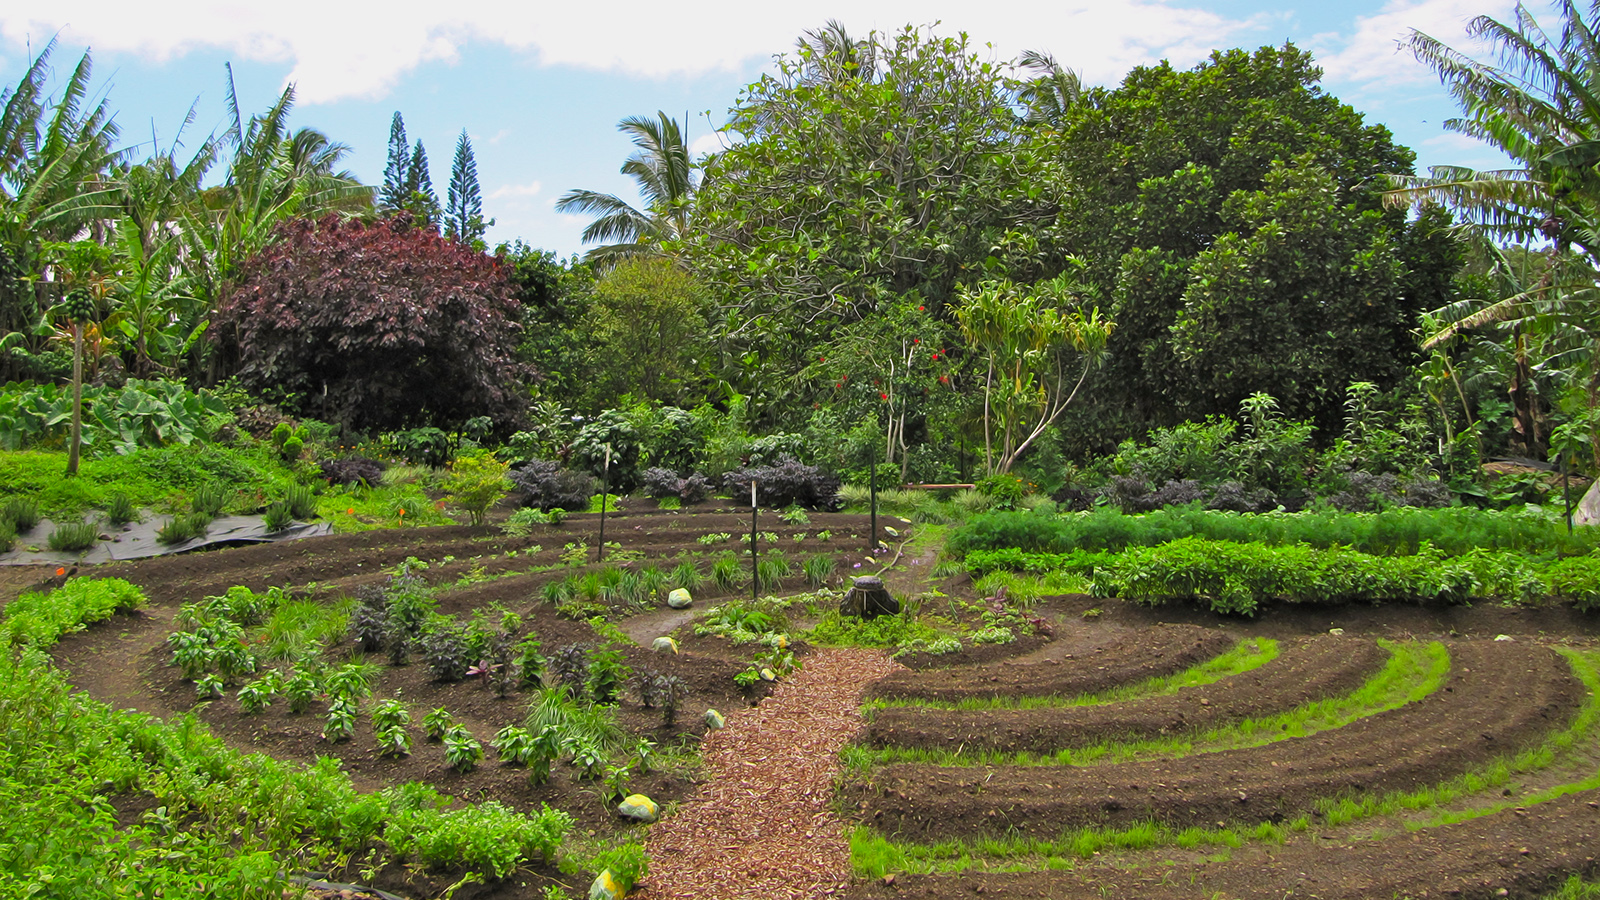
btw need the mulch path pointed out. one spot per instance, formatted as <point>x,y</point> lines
<point>761,826</point>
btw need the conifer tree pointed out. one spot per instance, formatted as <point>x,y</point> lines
<point>394,193</point>
<point>463,211</point>
<point>420,197</point>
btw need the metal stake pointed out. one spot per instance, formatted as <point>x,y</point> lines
<point>755,579</point>
<point>605,492</point>
<point>872,482</point>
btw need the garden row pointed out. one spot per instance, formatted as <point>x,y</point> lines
<point>1264,750</point>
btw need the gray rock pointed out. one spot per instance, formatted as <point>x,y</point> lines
<point>664,645</point>
<point>714,720</point>
<point>639,808</point>
<point>680,599</point>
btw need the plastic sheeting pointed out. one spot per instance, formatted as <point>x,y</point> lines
<point>137,540</point>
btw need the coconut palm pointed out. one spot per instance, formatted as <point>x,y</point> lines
<point>829,53</point>
<point>666,179</point>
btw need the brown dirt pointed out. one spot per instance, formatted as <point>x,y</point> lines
<point>1517,852</point>
<point>761,826</point>
<point>1133,658</point>
<point>1498,698</point>
<point>1305,671</point>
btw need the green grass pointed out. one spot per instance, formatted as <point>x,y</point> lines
<point>1586,666</point>
<point>1248,654</point>
<point>872,855</point>
<point>162,478</point>
<point>367,509</point>
<point>1413,672</point>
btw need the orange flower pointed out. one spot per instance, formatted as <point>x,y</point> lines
<point>351,511</point>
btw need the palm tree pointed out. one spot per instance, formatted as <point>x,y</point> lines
<point>1051,91</point>
<point>667,182</point>
<point>1541,107</point>
<point>829,53</point>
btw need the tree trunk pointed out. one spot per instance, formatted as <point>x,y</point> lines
<point>77,399</point>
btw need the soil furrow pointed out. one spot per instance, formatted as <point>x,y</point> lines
<point>1304,672</point>
<point>1499,698</point>
<point>1135,658</point>
<point>1518,852</point>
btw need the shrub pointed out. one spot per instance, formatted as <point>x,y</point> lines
<point>570,666</point>
<point>608,672</point>
<point>627,863</point>
<point>786,483</point>
<point>477,482</point>
<point>662,483</point>
<point>1233,496</point>
<point>74,537</point>
<point>352,470</point>
<point>437,722</point>
<point>1003,490</point>
<point>1022,530</point>
<point>1238,577</point>
<point>444,650</point>
<point>548,486</point>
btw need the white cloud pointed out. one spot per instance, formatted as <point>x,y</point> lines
<point>516,190</point>
<point>714,142</point>
<point>361,48</point>
<point>1373,53</point>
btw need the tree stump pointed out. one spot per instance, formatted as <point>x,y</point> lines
<point>868,599</point>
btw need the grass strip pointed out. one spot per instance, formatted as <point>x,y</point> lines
<point>1586,666</point>
<point>872,855</point>
<point>1248,654</point>
<point>1413,672</point>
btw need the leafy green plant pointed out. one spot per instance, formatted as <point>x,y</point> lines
<point>514,744</point>
<point>476,482</point>
<point>302,502</point>
<point>437,722</point>
<point>120,509</point>
<point>209,498</point>
<point>300,689</point>
<point>686,575</point>
<point>257,695</point>
<point>208,687</point>
<point>21,512</point>
<point>727,573</point>
<point>389,713</point>
<point>627,863</point>
<point>74,537</point>
<point>461,749</point>
<point>341,722</point>
<point>277,517</point>
<point>819,569</point>
<point>706,540</point>
<point>608,671</point>
<point>393,741</point>
<point>542,751</point>
<point>771,569</point>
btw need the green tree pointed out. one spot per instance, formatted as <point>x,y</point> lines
<point>1038,346</point>
<point>1230,216</point>
<point>666,178</point>
<point>647,319</point>
<point>392,197</point>
<point>422,201</point>
<point>463,210</point>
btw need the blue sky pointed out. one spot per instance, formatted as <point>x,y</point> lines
<point>540,87</point>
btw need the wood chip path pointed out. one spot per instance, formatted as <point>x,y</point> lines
<point>761,826</point>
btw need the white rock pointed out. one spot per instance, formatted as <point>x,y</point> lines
<point>714,720</point>
<point>664,645</point>
<point>1336,631</point>
<point>605,887</point>
<point>679,599</point>
<point>1502,637</point>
